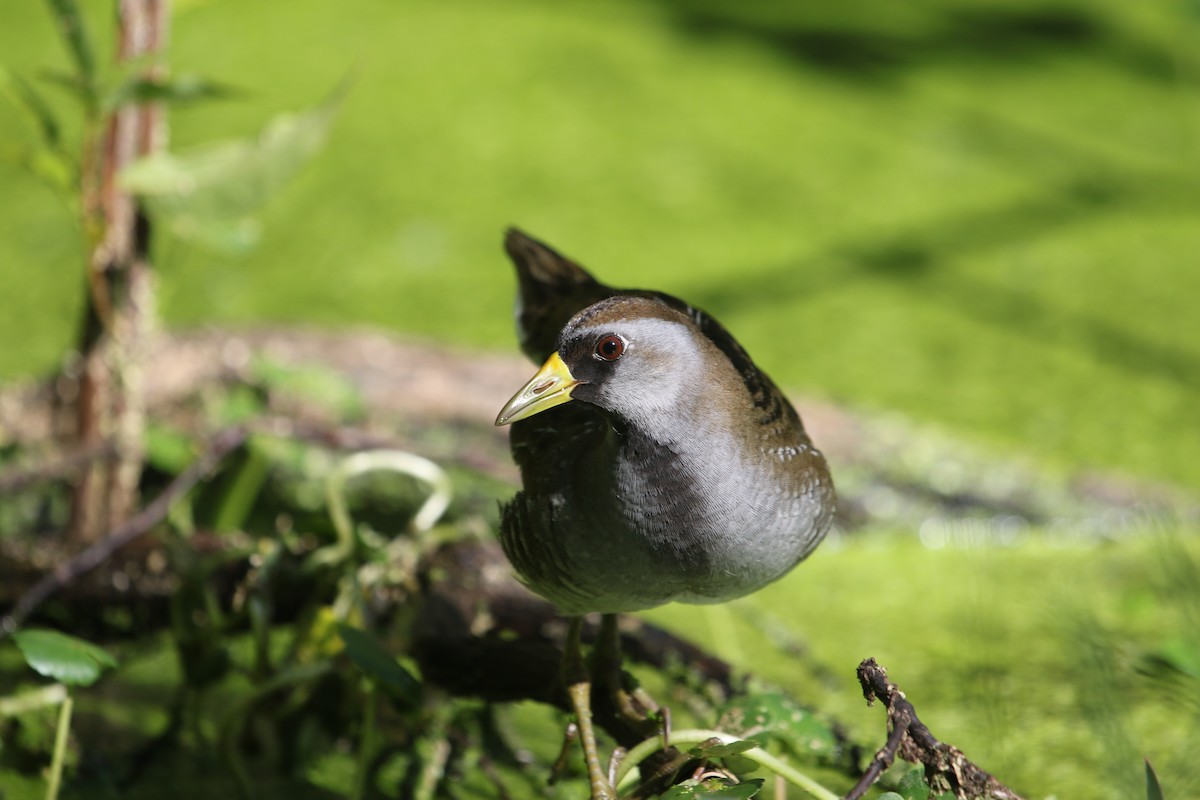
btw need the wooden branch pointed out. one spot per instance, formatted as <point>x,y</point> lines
<point>882,760</point>
<point>119,310</point>
<point>223,443</point>
<point>67,465</point>
<point>58,467</point>
<point>946,768</point>
<point>470,598</point>
<point>481,634</point>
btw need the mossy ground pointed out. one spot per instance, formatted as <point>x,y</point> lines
<point>984,220</point>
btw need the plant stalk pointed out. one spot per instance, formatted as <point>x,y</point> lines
<point>681,739</point>
<point>60,748</point>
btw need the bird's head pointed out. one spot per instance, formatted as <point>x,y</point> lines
<point>632,357</point>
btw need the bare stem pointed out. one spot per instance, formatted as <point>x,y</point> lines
<point>60,748</point>
<point>759,756</point>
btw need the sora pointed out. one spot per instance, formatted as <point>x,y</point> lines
<point>658,463</point>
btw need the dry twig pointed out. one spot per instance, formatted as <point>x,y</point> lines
<point>56,468</point>
<point>946,768</point>
<point>223,443</point>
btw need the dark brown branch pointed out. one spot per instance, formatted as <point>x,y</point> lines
<point>946,768</point>
<point>472,604</point>
<point>481,634</point>
<point>57,468</point>
<point>883,759</point>
<point>478,633</point>
<point>322,434</point>
<point>223,443</point>
<point>64,466</point>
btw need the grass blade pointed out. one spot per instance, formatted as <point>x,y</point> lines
<point>79,44</point>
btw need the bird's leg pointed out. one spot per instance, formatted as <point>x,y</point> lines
<point>559,767</point>
<point>575,678</point>
<point>632,703</point>
<point>614,764</point>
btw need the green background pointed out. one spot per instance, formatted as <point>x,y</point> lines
<point>983,216</point>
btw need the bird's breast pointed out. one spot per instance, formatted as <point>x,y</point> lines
<point>647,521</point>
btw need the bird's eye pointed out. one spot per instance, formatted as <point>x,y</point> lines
<point>610,347</point>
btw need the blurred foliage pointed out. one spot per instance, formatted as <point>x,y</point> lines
<point>715,787</point>
<point>1153,787</point>
<point>981,216</point>
<point>772,716</point>
<point>1054,659</point>
<point>288,681</point>
<point>211,195</point>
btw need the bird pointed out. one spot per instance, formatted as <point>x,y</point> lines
<point>658,463</point>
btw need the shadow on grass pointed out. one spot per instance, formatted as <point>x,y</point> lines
<point>921,261</point>
<point>877,45</point>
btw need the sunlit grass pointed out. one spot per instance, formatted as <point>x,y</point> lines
<point>989,225</point>
<point>1032,659</point>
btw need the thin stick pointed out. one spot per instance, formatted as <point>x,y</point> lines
<point>223,443</point>
<point>60,748</point>
<point>758,755</point>
<point>946,768</point>
<point>366,744</point>
<point>55,468</point>
<point>882,760</point>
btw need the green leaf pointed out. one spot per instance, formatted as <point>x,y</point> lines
<point>320,385</point>
<point>1181,655</point>
<point>715,751</point>
<point>774,716</point>
<point>180,90</point>
<point>79,44</point>
<point>365,651</point>
<point>231,236</point>
<point>912,785</point>
<point>729,755</point>
<point>1153,787</point>
<point>210,194</point>
<point>713,787</point>
<point>25,97</point>
<point>168,449</point>
<point>48,161</point>
<point>241,489</point>
<point>740,765</point>
<point>50,166</point>
<point>70,82</point>
<point>239,404</point>
<point>64,658</point>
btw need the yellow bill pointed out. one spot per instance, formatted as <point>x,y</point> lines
<point>550,387</point>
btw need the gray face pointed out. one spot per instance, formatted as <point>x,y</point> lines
<point>635,358</point>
